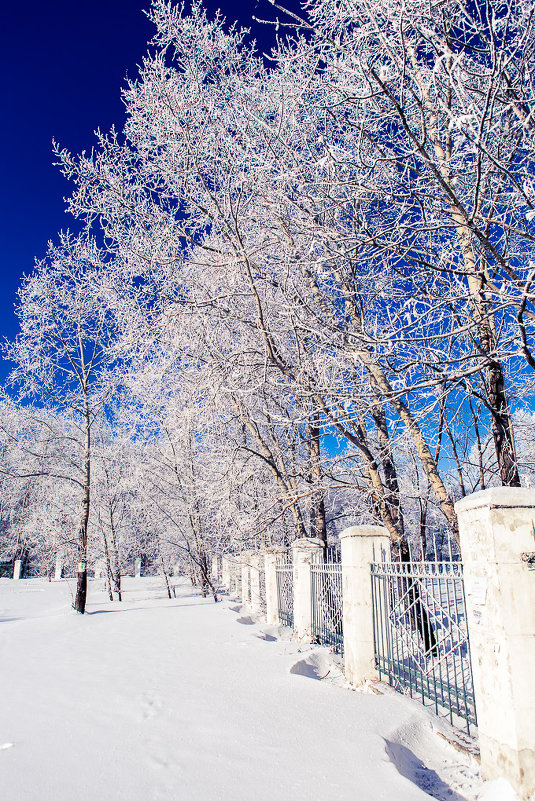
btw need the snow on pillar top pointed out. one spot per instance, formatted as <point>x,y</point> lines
<point>365,531</point>
<point>497,498</point>
<point>307,544</point>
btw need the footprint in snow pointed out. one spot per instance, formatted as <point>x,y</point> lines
<point>151,706</point>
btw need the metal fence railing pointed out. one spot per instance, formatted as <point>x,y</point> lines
<point>246,584</point>
<point>285,595</point>
<point>333,553</point>
<point>421,634</point>
<point>262,585</point>
<point>326,594</point>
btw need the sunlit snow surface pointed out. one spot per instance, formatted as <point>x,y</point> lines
<point>185,700</point>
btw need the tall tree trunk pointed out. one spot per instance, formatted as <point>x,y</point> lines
<point>81,585</point>
<point>318,521</point>
<point>476,276</point>
<point>166,578</point>
<point>482,484</point>
<point>108,565</point>
<point>392,497</point>
<point>206,579</point>
<point>383,387</point>
<point>502,428</point>
<point>116,569</point>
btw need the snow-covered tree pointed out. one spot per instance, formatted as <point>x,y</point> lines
<point>63,357</point>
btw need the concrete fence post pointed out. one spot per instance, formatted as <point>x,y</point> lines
<point>16,569</point>
<point>225,572</point>
<point>305,551</point>
<point>360,546</point>
<point>254,581</point>
<point>58,569</point>
<point>272,599</point>
<point>497,543</point>
<point>232,573</point>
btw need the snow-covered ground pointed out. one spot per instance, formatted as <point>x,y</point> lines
<point>185,700</point>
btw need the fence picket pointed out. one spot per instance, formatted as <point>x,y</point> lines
<point>327,605</point>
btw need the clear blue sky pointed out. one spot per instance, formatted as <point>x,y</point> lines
<point>63,64</point>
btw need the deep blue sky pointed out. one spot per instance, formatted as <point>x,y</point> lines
<point>63,64</point>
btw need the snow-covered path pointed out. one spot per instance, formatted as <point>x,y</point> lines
<point>184,700</point>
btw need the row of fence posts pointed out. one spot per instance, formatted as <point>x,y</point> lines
<point>497,534</point>
<point>58,568</point>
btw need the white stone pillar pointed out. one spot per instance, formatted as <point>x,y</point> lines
<point>137,568</point>
<point>304,552</point>
<point>16,569</point>
<point>58,571</point>
<point>232,574</point>
<point>225,572</point>
<point>361,545</point>
<point>272,600</point>
<point>254,585</point>
<point>497,536</point>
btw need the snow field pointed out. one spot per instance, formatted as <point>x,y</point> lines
<point>183,700</point>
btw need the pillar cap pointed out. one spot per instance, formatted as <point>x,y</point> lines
<point>497,498</point>
<point>307,542</point>
<point>364,531</point>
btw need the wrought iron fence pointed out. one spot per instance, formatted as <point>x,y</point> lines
<point>421,634</point>
<point>326,593</point>
<point>285,591</point>
<point>246,584</point>
<point>262,584</point>
<point>334,553</point>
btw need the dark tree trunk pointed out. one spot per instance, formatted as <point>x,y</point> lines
<point>392,498</point>
<point>318,520</point>
<point>206,580</point>
<point>166,579</point>
<point>502,429</point>
<point>116,569</point>
<point>81,586</point>
<point>81,589</point>
<point>108,565</point>
<point>418,615</point>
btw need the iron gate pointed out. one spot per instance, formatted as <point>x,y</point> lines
<point>327,605</point>
<point>421,634</point>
